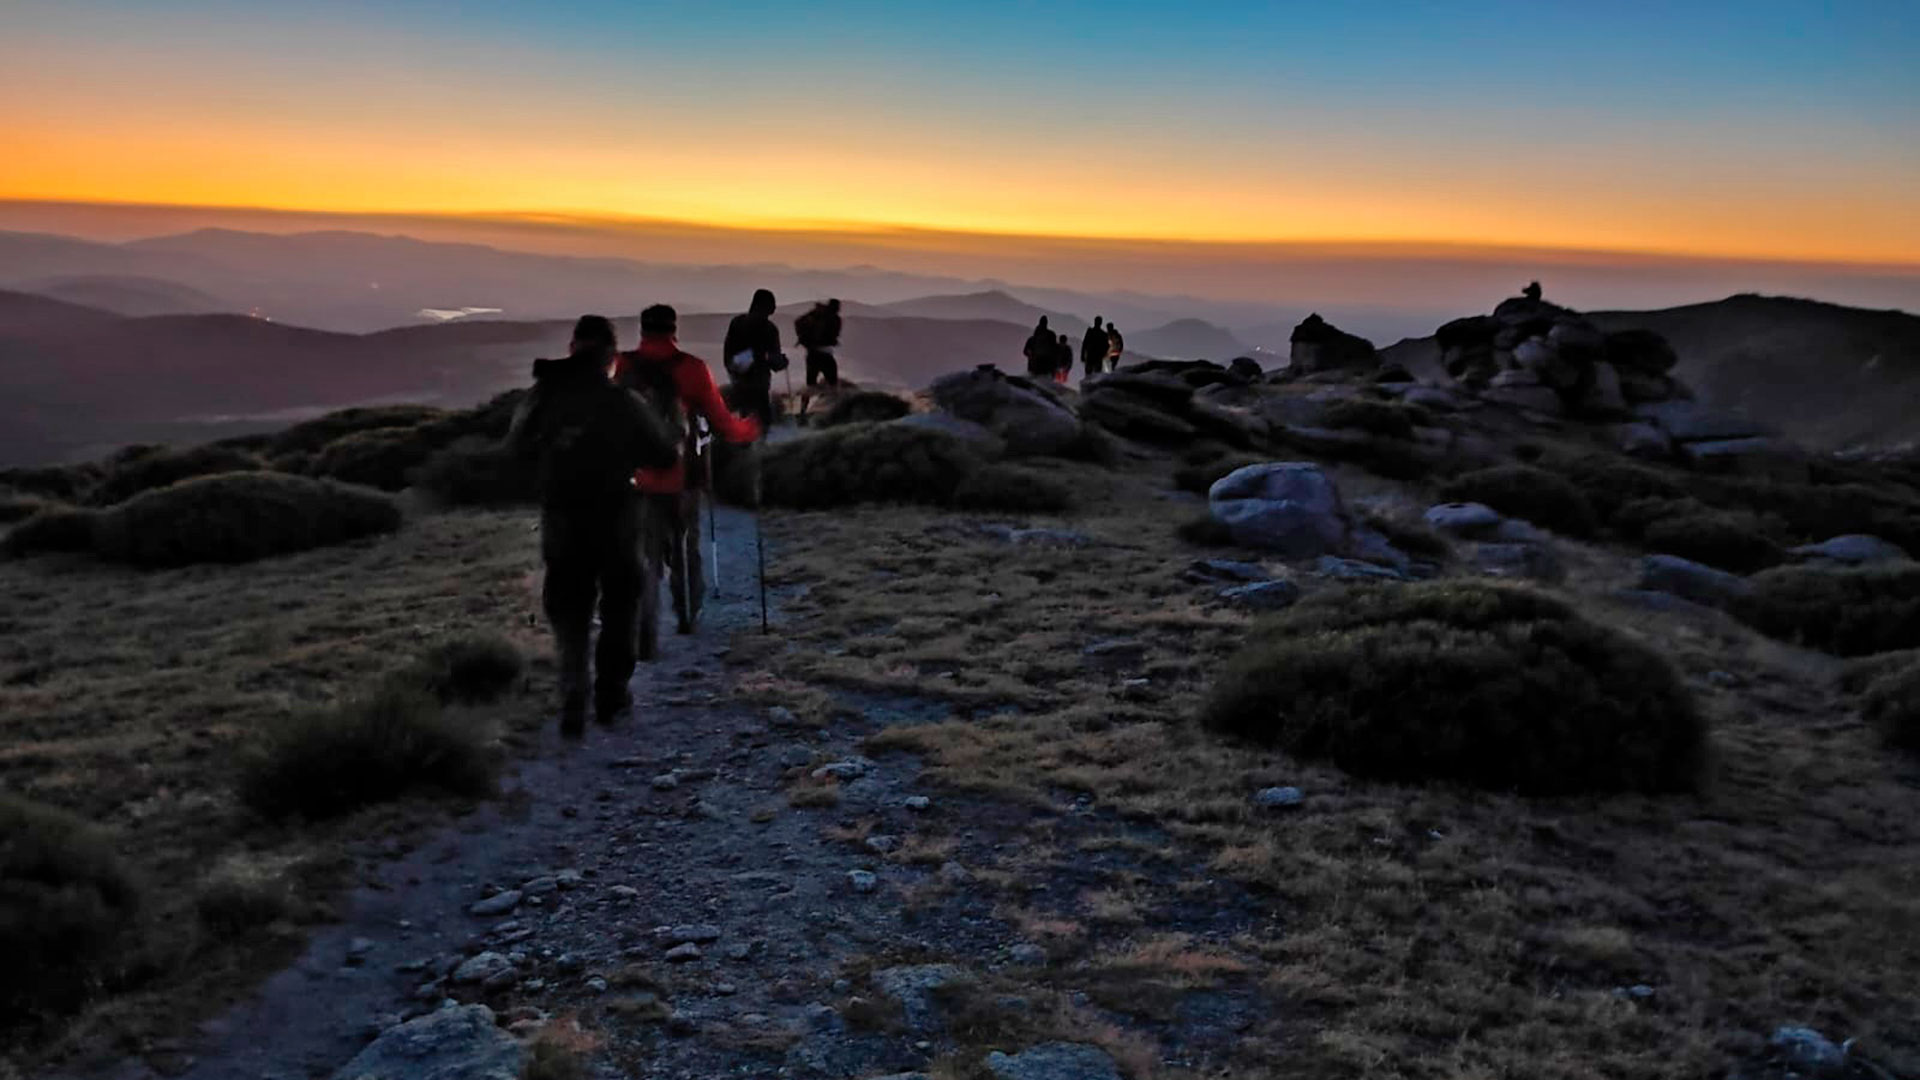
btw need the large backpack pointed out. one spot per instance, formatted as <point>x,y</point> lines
<point>654,384</point>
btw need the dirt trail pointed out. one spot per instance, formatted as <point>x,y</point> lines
<point>666,832</point>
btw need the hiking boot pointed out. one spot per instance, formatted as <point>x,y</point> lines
<point>685,627</point>
<point>608,713</point>
<point>573,716</point>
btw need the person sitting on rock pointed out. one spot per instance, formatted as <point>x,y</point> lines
<point>588,436</point>
<point>1039,351</point>
<point>1093,349</point>
<point>681,388</point>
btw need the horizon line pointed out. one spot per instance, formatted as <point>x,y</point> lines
<point>896,232</point>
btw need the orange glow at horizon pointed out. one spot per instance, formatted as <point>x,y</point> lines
<point>785,183</point>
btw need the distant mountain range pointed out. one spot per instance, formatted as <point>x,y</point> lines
<point>103,344</point>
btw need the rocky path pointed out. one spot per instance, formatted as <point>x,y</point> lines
<point>654,882</point>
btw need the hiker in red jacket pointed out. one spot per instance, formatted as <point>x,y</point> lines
<point>679,385</point>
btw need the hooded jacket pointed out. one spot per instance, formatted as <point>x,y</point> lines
<point>1040,349</point>
<point>587,434</point>
<point>659,358</point>
<point>754,332</point>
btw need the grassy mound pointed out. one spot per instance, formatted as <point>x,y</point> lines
<point>1732,540</point>
<point>394,742</point>
<point>1529,493</point>
<point>18,506</point>
<point>1844,612</point>
<point>163,466</point>
<point>54,529</point>
<point>67,908</point>
<point>478,472</point>
<point>863,407</point>
<point>1011,489</point>
<point>1610,481</point>
<point>866,463</point>
<point>315,435</point>
<point>1499,687</point>
<point>384,458</point>
<point>67,483</point>
<point>1892,704</point>
<point>239,517</point>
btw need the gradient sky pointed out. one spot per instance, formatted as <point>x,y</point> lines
<point>1760,128</point>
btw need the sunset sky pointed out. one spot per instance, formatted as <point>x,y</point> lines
<point>1761,128</point>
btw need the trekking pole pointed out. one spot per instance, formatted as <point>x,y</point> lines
<point>760,546</point>
<point>713,539</point>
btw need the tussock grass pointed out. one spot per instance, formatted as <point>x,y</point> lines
<point>862,463</point>
<point>469,670</point>
<point>239,517</point>
<point>1528,493</point>
<point>68,905</point>
<point>1846,612</point>
<point>163,466</point>
<point>313,436</point>
<point>1500,687</point>
<point>1388,419</point>
<point>1892,704</point>
<point>396,741</point>
<point>1011,489</point>
<point>1729,539</point>
<point>383,458</point>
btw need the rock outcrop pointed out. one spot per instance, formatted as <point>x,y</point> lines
<point>1291,508</point>
<point>1028,419</point>
<point>1536,355</point>
<point>1317,345</point>
<point>456,1043</point>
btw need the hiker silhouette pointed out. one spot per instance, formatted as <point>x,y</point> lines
<point>752,354</point>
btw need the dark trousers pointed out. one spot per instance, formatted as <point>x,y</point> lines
<point>755,398</point>
<point>821,366</point>
<point>592,553</point>
<point>670,548</point>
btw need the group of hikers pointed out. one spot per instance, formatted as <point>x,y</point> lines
<point>622,440</point>
<point>1050,356</point>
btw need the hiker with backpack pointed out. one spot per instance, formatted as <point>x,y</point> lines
<point>1093,350</point>
<point>1040,351</point>
<point>1063,360</point>
<point>818,332</point>
<point>1115,346</point>
<point>588,436</point>
<point>678,385</point>
<point>752,354</point>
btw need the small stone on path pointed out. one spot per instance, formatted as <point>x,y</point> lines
<point>863,881</point>
<point>498,904</point>
<point>1279,796</point>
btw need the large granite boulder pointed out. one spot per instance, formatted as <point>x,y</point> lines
<point>458,1043</point>
<point>1029,419</point>
<point>1693,581</point>
<point>1317,346</point>
<point>1596,375</point>
<point>1291,508</point>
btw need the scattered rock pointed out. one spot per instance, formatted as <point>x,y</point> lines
<point>1262,595</point>
<point>1208,571</point>
<point>1643,440</point>
<point>701,933</point>
<point>1463,519</point>
<point>1690,421</point>
<point>1853,549</point>
<point>1036,537</point>
<point>850,769</point>
<point>683,953</point>
<point>1531,560</point>
<point>1115,653</point>
<point>882,844</point>
<point>569,879</point>
<point>1292,508</point>
<point>1027,954</point>
<point>1054,1061</point>
<point>540,886</point>
<point>1332,566</point>
<point>781,716</point>
<point>596,984</point>
<point>917,803</point>
<point>1756,456</point>
<point>459,1043</point>
<point>1691,580</point>
<point>499,903</point>
<point>1279,796</point>
<point>863,881</point>
<point>666,781</point>
<point>914,988</point>
<point>484,969</point>
<point>357,951</point>
<point>1805,1048</point>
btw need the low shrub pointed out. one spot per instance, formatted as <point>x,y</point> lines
<point>1813,512</point>
<point>1412,537</point>
<point>68,907</point>
<point>1728,539</point>
<point>19,506</point>
<point>66,483</point>
<point>1389,419</point>
<point>312,436</point>
<point>238,897</point>
<point>489,421</point>
<point>478,472</point>
<point>163,466</point>
<point>1529,493</point>
<point>55,529</point>
<point>383,458</point>
<point>1012,489</point>
<point>239,517</point>
<point>1609,481</point>
<point>1892,704</point>
<point>394,742</point>
<point>1849,612</point>
<point>865,463</point>
<point>1500,687</point>
<point>468,670</point>
<point>863,407</point>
